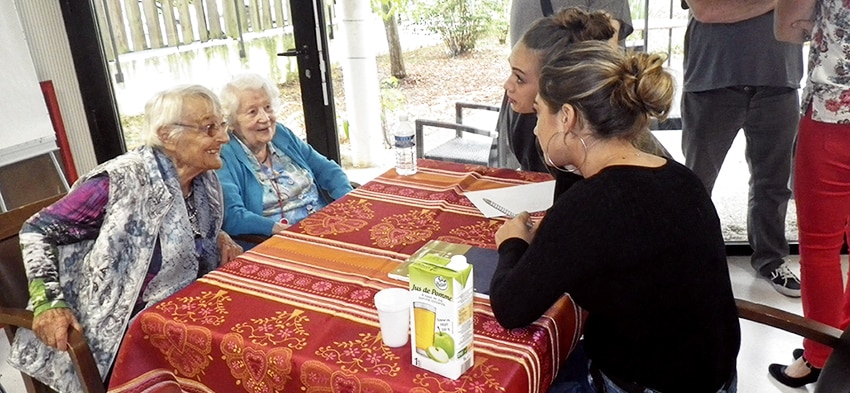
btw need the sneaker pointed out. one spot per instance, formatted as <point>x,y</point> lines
<point>784,281</point>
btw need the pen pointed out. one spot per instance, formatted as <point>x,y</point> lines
<point>504,211</point>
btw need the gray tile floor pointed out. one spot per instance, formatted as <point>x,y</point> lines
<point>760,345</point>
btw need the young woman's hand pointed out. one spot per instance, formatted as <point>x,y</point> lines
<point>520,226</point>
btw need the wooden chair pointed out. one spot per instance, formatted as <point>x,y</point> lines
<point>835,377</point>
<point>470,145</point>
<point>14,295</point>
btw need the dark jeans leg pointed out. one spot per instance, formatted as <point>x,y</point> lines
<point>572,377</point>
<point>769,116</point>
<point>710,121</point>
<point>770,129</point>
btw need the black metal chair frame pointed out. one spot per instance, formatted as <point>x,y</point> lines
<point>448,150</point>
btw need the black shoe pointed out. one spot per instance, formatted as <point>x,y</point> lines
<point>778,372</point>
<point>797,353</point>
<point>784,281</point>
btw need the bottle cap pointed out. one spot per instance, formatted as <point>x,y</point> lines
<point>402,117</point>
<point>457,263</point>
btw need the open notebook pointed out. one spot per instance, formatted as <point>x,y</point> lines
<point>483,261</point>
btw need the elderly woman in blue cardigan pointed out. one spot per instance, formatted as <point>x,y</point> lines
<point>271,179</point>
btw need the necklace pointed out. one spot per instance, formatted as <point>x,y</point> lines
<point>272,178</point>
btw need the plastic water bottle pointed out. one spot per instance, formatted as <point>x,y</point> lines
<point>405,147</point>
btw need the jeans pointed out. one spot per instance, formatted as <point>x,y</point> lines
<point>610,387</point>
<point>574,377</point>
<point>769,117</point>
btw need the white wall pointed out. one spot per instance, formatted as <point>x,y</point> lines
<point>51,55</point>
<point>25,130</point>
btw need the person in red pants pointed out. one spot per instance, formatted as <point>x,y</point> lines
<point>822,172</point>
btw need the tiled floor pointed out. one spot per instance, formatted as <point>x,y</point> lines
<point>760,345</point>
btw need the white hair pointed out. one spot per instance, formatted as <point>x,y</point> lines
<point>165,109</point>
<point>243,82</point>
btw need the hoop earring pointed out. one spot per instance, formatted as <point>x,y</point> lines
<point>567,168</point>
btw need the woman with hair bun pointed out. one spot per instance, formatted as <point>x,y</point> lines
<point>557,31</point>
<point>637,243</point>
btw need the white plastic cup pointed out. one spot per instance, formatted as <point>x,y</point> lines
<point>393,306</point>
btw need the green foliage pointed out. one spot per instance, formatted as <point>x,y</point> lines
<point>392,100</point>
<point>500,24</point>
<point>637,8</point>
<point>345,128</point>
<point>388,8</point>
<point>460,23</point>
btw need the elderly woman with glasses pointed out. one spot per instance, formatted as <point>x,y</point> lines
<point>131,232</point>
<point>271,178</point>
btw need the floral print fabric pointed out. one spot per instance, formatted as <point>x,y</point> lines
<point>100,278</point>
<point>828,90</point>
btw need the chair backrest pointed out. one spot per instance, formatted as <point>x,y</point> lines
<point>14,296</point>
<point>13,279</point>
<point>471,144</point>
<point>834,377</point>
<point>477,149</point>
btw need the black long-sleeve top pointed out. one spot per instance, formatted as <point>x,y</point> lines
<point>641,250</point>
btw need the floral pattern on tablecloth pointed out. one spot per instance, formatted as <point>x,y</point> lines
<point>343,291</point>
<point>344,217</point>
<point>207,309</point>
<point>481,378</point>
<point>187,348</point>
<point>284,329</point>
<point>259,370</point>
<point>480,234</point>
<point>366,354</point>
<point>412,227</point>
<point>318,377</point>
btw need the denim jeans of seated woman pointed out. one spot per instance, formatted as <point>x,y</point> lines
<point>574,377</point>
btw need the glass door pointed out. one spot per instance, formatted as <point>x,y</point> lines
<point>152,45</point>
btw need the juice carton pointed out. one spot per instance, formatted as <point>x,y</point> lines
<point>441,291</point>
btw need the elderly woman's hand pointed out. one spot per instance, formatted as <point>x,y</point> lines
<point>279,227</point>
<point>52,326</point>
<point>228,248</point>
<point>517,227</point>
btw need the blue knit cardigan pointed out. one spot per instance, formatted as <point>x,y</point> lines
<point>243,194</point>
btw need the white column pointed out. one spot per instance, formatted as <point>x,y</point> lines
<point>360,75</point>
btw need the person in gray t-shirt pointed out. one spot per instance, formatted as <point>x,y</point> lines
<point>738,76</point>
<point>524,12</point>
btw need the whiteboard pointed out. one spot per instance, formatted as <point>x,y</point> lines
<point>25,127</point>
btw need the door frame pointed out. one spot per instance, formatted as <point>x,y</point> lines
<point>314,75</point>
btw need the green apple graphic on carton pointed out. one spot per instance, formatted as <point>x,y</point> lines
<point>443,348</point>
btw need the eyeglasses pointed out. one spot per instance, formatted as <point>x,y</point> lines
<point>210,129</point>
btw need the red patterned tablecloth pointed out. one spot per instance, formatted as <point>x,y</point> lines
<point>296,313</point>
